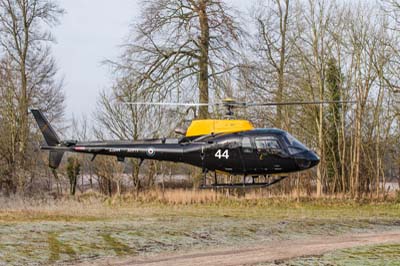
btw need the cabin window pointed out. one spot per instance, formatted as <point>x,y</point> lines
<point>246,145</point>
<point>294,146</point>
<point>267,144</point>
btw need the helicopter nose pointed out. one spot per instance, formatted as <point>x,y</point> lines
<point>313,158</point>
<point>307,159</point>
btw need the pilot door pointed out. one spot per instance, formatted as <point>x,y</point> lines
<point>270,154</point>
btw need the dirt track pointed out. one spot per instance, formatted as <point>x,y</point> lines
<point>278,250</point>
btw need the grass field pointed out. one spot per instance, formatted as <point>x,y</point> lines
<point>384,255</point>
<point>37,232</point>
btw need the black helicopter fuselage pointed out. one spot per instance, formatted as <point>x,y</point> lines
<point>250,152</point>
<point>253,152</point>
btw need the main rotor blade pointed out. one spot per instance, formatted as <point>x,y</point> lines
<point>298,103</point>
<point>239,104</point>
<point>168,104</point>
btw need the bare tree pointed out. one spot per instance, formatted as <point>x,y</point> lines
<point>189,43</point>
<point>312,55</point>
<point>30,70</point>
<point>109,173</point>
<point>177,50</point>
<point>272,49</point>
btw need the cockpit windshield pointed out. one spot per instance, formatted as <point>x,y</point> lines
<point>294,146</point>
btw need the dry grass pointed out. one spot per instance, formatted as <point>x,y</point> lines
<point>92,206</point>
<point>187,197</point>
<point>79,203</point>
<point>31,209</point>
<point>181,196</point>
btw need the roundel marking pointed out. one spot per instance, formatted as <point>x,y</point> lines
<point>150,152</point>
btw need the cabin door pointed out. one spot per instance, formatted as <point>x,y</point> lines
<point>249,156</point>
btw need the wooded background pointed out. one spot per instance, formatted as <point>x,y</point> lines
<point>203,51</point>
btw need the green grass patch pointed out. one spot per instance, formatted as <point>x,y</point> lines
<point>118,247</point>
<point>32,216</point>
<point>57,247</point>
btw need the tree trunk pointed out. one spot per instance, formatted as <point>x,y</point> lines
<point>135,176</point>
<point>203,59</point>
<point>24,104</point>
<point>320,152</point>
<point>109,186</point>
<point>282,116</point>
<point>73,185</point>
<point>357,147</point>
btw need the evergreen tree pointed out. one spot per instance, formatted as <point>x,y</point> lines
<point>73,170</point>
<point>333,118</point>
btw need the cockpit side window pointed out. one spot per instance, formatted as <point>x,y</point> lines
<point>267,143</point>
<point>246,145</point>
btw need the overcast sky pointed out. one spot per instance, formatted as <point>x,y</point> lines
<point>89,32</point>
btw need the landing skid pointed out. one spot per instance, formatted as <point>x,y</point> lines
<point>243,184</point>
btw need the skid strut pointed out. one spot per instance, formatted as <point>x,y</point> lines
<point>241,185</point>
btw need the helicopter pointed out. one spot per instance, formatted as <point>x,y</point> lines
<point>229,146</point>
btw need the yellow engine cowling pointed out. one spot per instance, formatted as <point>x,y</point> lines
<point>210,126</point>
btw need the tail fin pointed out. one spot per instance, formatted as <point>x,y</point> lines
<point>48,132</point>
<point>50,136</point>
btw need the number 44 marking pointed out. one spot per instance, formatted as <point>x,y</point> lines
<point>220,155</point>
